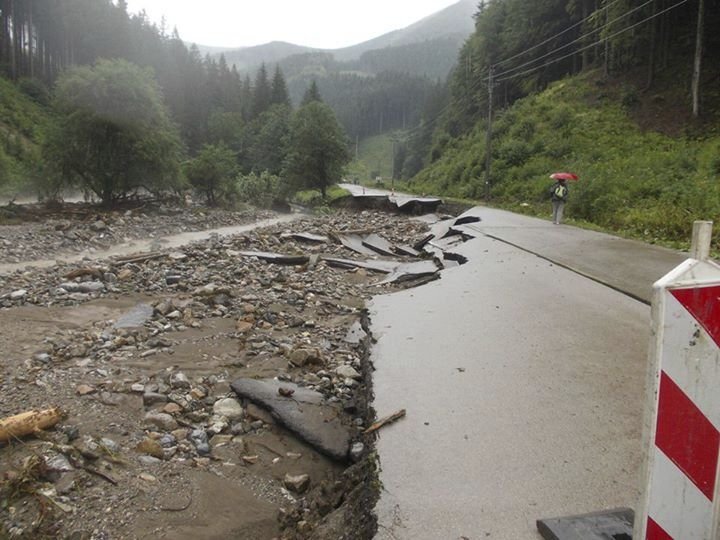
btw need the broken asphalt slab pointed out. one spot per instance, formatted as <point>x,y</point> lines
<point>304,413</point>
<point>613,524</point>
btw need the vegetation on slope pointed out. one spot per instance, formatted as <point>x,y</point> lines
<point>642,183</point>
<point>22,121</point>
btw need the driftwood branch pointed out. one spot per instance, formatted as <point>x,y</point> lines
<point>385,421</point>
<point>28,423</point>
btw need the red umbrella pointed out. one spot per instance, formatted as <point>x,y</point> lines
<point>564,176</point>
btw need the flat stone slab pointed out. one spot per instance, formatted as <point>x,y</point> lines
<point>305,237</point>
<point>136,317</point>
<point>304,413</point>
<point>611,524</point>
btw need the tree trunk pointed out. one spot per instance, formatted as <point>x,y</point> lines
<point>697,64</point>
<point>30,33</point>
<point>586,52</point>
<point>11,44</point>
<point>651,51</point>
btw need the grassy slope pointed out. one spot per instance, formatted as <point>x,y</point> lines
<point>634,182</point>
<point>374,159</point>
<point>21,125</point>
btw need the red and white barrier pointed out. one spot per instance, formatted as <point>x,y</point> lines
<point>681,500</point>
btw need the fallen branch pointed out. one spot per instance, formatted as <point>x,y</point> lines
<point>28,423</point>
<point>138,258</point>
<point>385,421</point>
<point>99,473</point>
<point>80,272</point>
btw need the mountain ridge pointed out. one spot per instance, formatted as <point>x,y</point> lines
<point>456,19</point>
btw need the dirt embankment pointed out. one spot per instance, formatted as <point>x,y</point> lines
<point>141,354</point>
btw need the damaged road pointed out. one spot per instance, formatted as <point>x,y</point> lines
<point>198,379</point>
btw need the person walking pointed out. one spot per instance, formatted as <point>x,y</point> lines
<point>559,195</point>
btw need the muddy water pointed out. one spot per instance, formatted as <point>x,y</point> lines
<point>140,246</point>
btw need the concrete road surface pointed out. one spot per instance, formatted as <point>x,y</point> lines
<point>523,383</point>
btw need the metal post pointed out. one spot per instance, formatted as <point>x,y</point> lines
<point>701,239</point>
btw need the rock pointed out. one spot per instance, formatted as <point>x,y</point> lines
<point>306,414</point>
<point>58,463</point>
<point>125,274</point>
<point>179,380</point>
<point>84,390</point>
<point>199,438</point>
<point>136,317</point>
<point>243,327</point>
<point>302,356</point>
<point>356,451</point>
<point>172,408</point>
<point>151,398</point>
<point>298,483</point>
<point>17,295</point>
<point>151,448</point>
<point>220,440</point>
<point>110,445</point>
<point>258,413</point>
<point>230,408</point>
<point>347,372</point>
<point>149,460</point>
<point>161,420</point>
<point>98,226</point>
<point>90,287</point>
<point>146,477</point>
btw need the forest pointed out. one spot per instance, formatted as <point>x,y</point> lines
<point>640,76</point>
<point>57,50</point>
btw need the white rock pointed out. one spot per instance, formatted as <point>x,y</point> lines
<point>230,408</point>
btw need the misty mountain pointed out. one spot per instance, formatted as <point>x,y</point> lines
<point>249,58</point>
<point>441,34</point>
<point>454,21</point>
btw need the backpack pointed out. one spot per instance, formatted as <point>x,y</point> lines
<point>560,192</point>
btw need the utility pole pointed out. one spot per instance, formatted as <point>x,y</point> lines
<point>698,60</point>
<point>488,137</point>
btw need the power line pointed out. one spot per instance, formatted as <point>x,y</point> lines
<point>526,72</point>
<point>608,6</point>
<point>581,38</point>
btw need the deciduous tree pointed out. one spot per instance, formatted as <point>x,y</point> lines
<point>113,135</point>
<point>318,147</point>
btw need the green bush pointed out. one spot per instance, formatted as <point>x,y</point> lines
<point>261,190</point>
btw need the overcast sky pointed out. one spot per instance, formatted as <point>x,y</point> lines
<point>325,24</point>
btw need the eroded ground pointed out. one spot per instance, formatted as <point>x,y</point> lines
<point>140,354</point>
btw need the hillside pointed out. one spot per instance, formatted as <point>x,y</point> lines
<point>634,181</point>
<point>21,124</point>
<point>249,58</point>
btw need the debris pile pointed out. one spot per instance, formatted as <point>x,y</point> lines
<point>240,358</point>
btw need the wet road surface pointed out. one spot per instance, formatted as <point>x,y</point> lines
<point>523,383</point>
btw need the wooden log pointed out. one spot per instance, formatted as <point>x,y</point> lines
<point>385,421</point>
<point>28,423</point>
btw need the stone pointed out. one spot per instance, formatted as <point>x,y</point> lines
<point>307,415</point>
<point>356,451</point>
<point>125,274</point>
<point>302,356</point>
<point>161,420</point>
<point>17,295</point>
<point>258,413</point>
<point>151,448</point>
<point>172,408</point>
<point>149,460</point>
<point>243,327</point>
<point>151,398</point>
<point>98,226</point>
<point>110,445</point>
<point>220,440</point>
<point>230,408</point>
<point>84,390</point>
<point>297,483</point>
<point>179,380</point>
<point>347,372</point>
